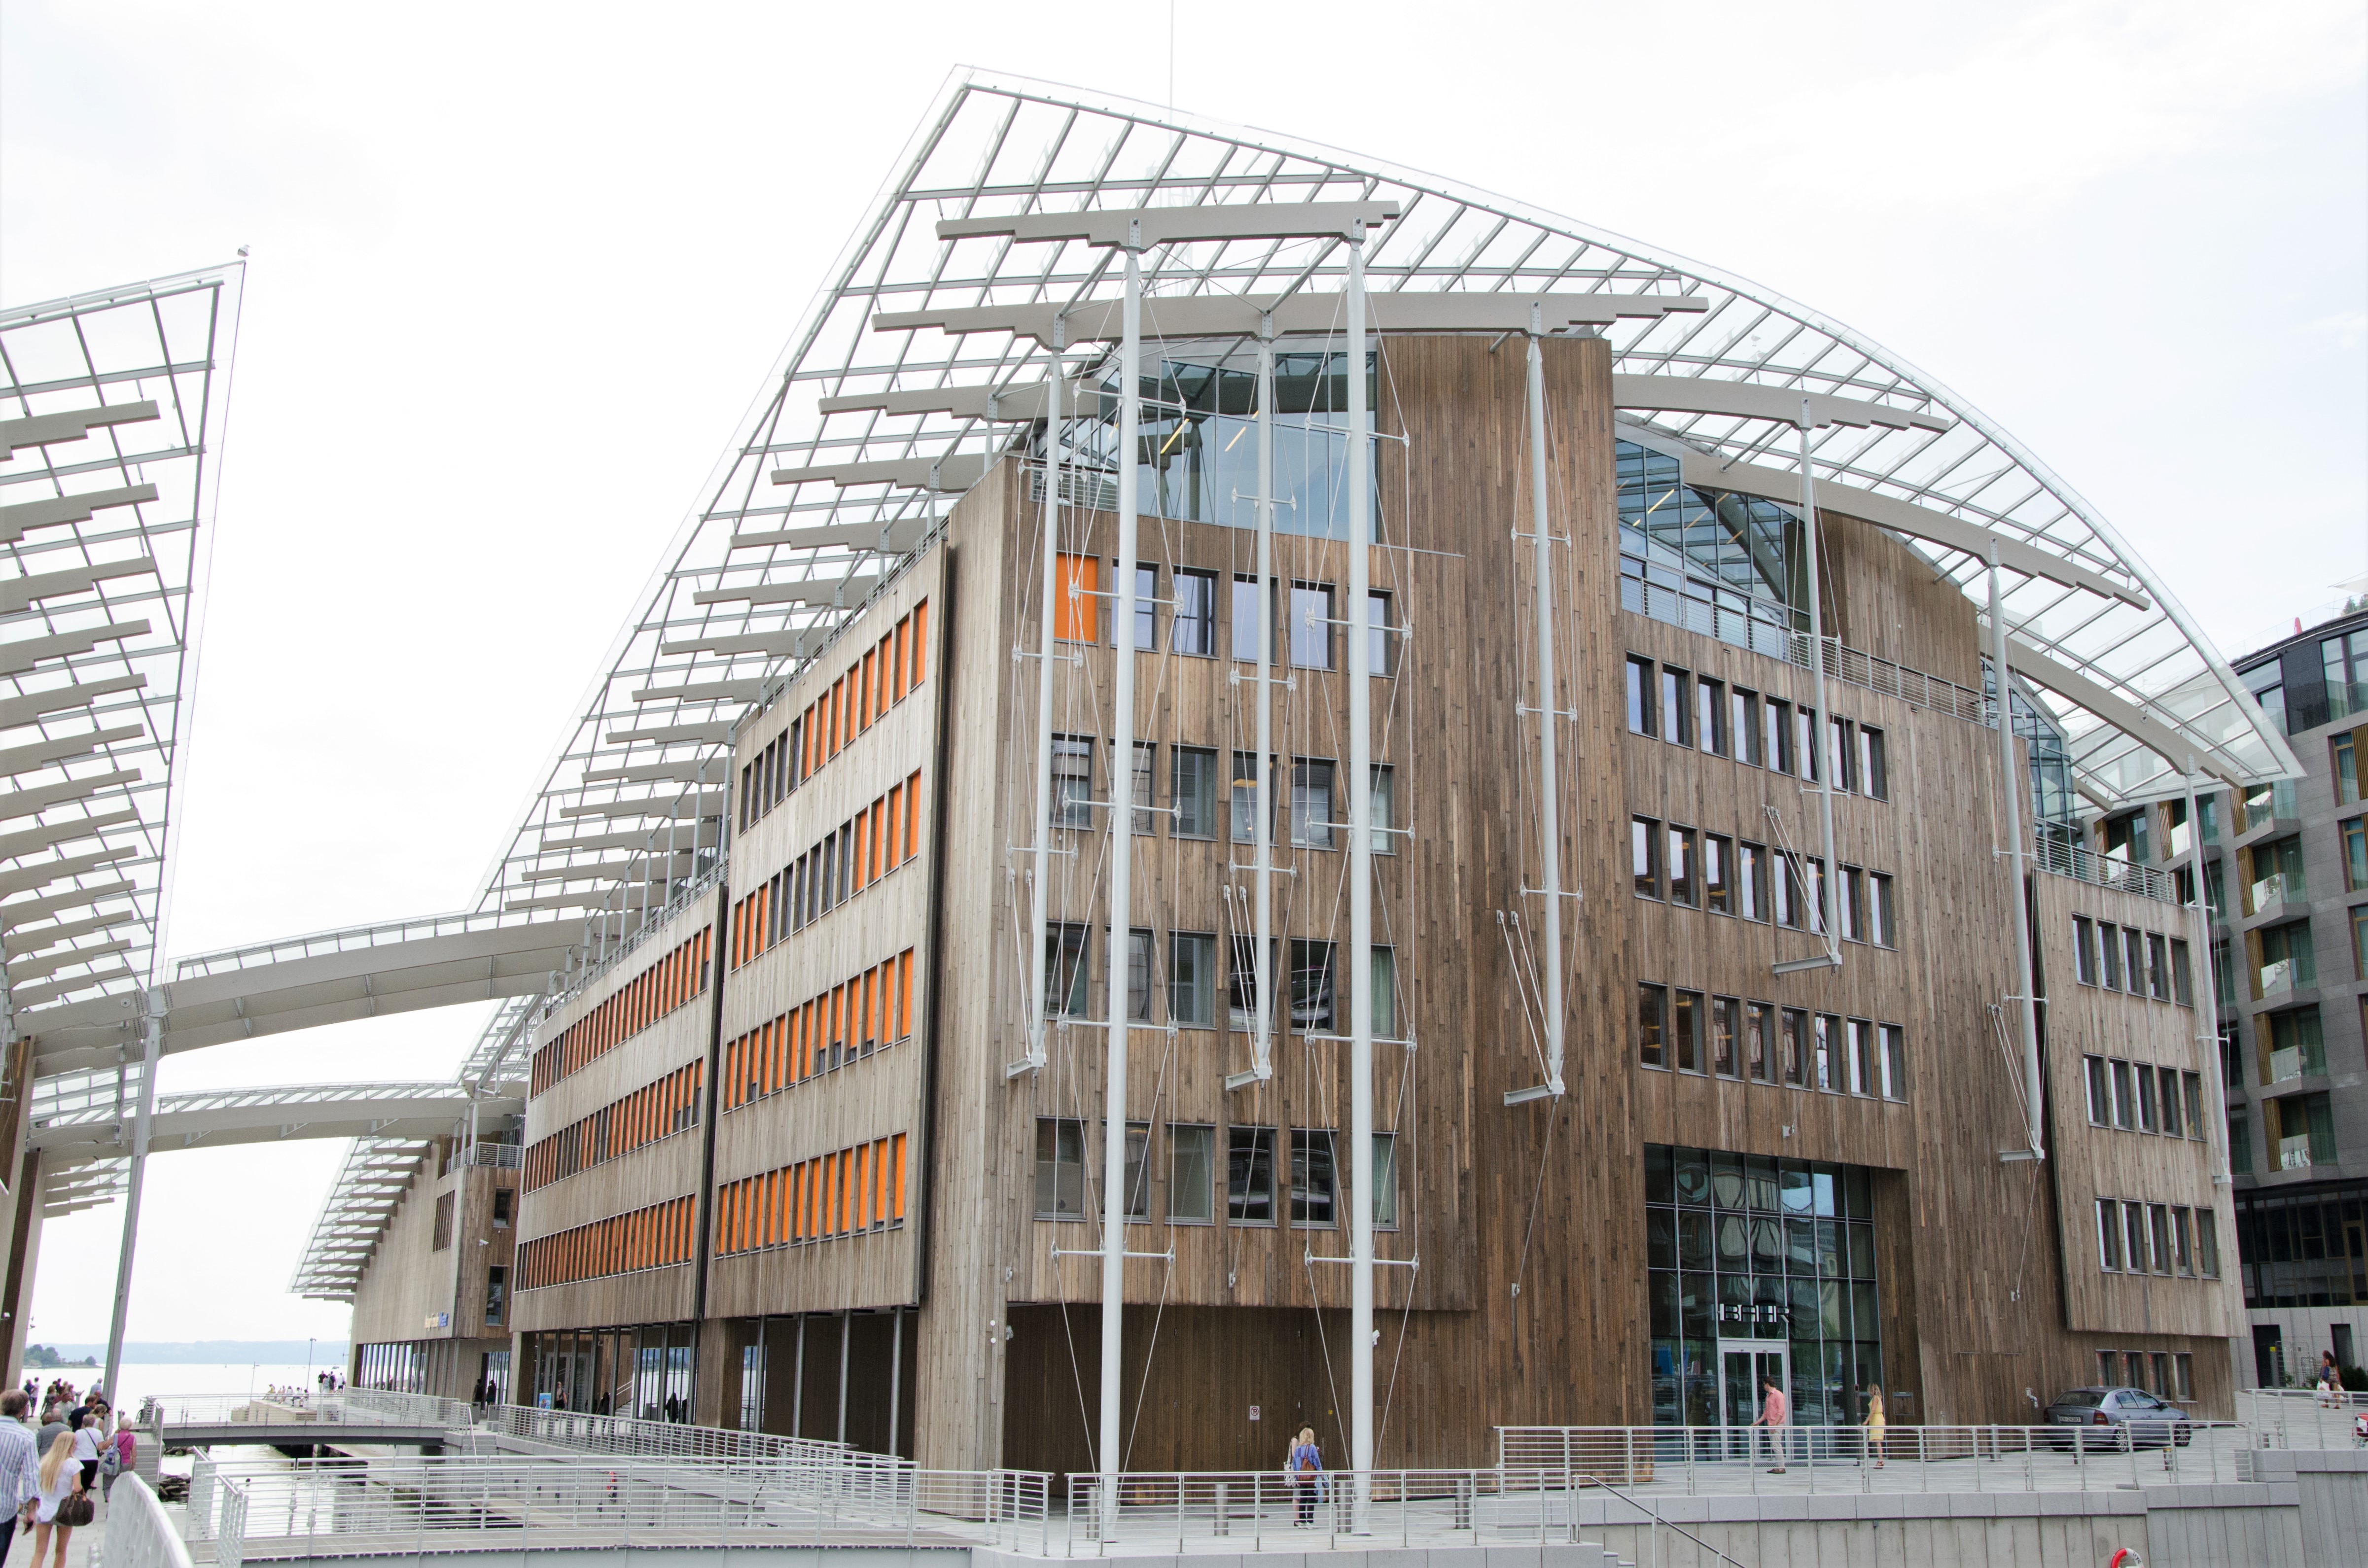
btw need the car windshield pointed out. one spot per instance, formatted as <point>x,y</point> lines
<point>2082,1397</point>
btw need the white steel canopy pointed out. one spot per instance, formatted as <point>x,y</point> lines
<point>897,390</point>
<point>112,410</point>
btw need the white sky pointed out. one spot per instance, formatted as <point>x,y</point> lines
<point>516,270</point>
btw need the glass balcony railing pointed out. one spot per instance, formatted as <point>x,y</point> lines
<point>2279,890</point>
<point>2294,1153</point>
<point>2284,976</point>
<point>2296,1062</point>
<point>2346,698</point>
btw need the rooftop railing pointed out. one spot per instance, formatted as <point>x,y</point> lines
<point>2302,1419</point>
<point>2111,871</point>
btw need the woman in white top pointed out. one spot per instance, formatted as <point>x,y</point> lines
<point>61,1479</point>
<point>85,1450</point>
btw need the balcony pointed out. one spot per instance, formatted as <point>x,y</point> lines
<point>2279,980</point>
<point>2294,1153</point>
<point>2280,893</point>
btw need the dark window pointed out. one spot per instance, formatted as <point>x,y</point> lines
<point>1644,853</point>
<point>1311,986</point>
<point>1676,711</point>
<point>1194,788</point>
<point>1640,697</point>
<point>1060,1168</point>
<point>1194,629</point>
<point>1652,1025</point>
<point>1249,1176</point>
<point>1312,1184</point>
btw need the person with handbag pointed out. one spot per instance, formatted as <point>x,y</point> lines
<point>87,1439</point>
<point>59,1506</point>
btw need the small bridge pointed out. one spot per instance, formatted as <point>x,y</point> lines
<point>217,1421</point>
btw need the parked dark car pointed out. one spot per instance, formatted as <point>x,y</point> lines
<point>2102,1419</point>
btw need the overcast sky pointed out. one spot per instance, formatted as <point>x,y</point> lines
<point>516,270</point>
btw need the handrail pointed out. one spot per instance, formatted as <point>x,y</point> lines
<point>139,1532</point>
<point>1659,1522</point>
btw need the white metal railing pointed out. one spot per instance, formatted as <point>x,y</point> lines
<point>385,1407</point>
<point>139,1534</point>
<point>219,1409</point>
<point>350,939</point>
<point>258,1510</point>
<point>500,1157</point>
<point>1728,1460</point>
<point>2302,1419</point>
<point>2105,870</point>
<point>624,1437</point>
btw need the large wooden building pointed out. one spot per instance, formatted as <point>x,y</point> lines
<point>799,1155</point>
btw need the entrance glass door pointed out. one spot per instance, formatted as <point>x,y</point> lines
<point>1744,1366</point>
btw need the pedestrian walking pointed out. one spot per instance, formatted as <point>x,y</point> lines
<point>87,1438</point>
<point>116,1460</point>
<point>1305,1469</point>
<point>53,1425</point>
<point>20,1463</point>
<point>1776,1415</point>
<point>1875,1423</point>
<point>57,1501</point>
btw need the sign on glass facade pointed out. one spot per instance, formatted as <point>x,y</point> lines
<point>1757,1268</point>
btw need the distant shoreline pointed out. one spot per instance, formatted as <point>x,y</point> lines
<point>212,1352</point>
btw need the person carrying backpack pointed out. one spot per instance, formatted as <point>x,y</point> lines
<point>1305,1469</point>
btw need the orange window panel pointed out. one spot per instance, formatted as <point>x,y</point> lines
<point>884,830</point>
<point>921,642</point>
<point>903,635</point>
<point>1075,612</point>
<point>862,850</point>
<point>897,1191</point>
<point>882,655</point>
<point>869,711</point>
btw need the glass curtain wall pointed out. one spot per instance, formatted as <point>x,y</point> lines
<point>1198,457</point>
<point>1733,566</point>
<point>1779,1253</point>
<point>646,1372</point>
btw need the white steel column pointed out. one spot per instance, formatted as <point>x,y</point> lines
<point>2011,783</point>
<point>1549,774</point>
<point>151,1046</point>
<point>1821,756</point>
<point>1121,828</point>
<point>1361,900</point>
<point>2205,973</point>
<point>1262,956</point>
<point>1046,648</point>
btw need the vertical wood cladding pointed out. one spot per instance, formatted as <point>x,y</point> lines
<point>1528,1224</point>
<point>820,1097</point>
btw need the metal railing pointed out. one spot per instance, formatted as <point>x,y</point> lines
<point>1750,628</point>
<point>623,1436</point>
<point>499,1156</point>
<point>226,1409</point>
<point>1759,1461</point>
<point>139,1534</point>
<point>2302,1419</point>
<point>251,1511</point>
<point>2105,870</point>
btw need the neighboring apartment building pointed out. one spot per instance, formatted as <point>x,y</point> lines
<point>788,1163</point>
<point>2286,876</point>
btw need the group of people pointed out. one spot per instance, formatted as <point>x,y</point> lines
<point>330,1382</point>
<point>1776,1415</point>
<point>47,1475</point>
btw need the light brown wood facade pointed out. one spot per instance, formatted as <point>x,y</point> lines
<point>974,1341</point>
